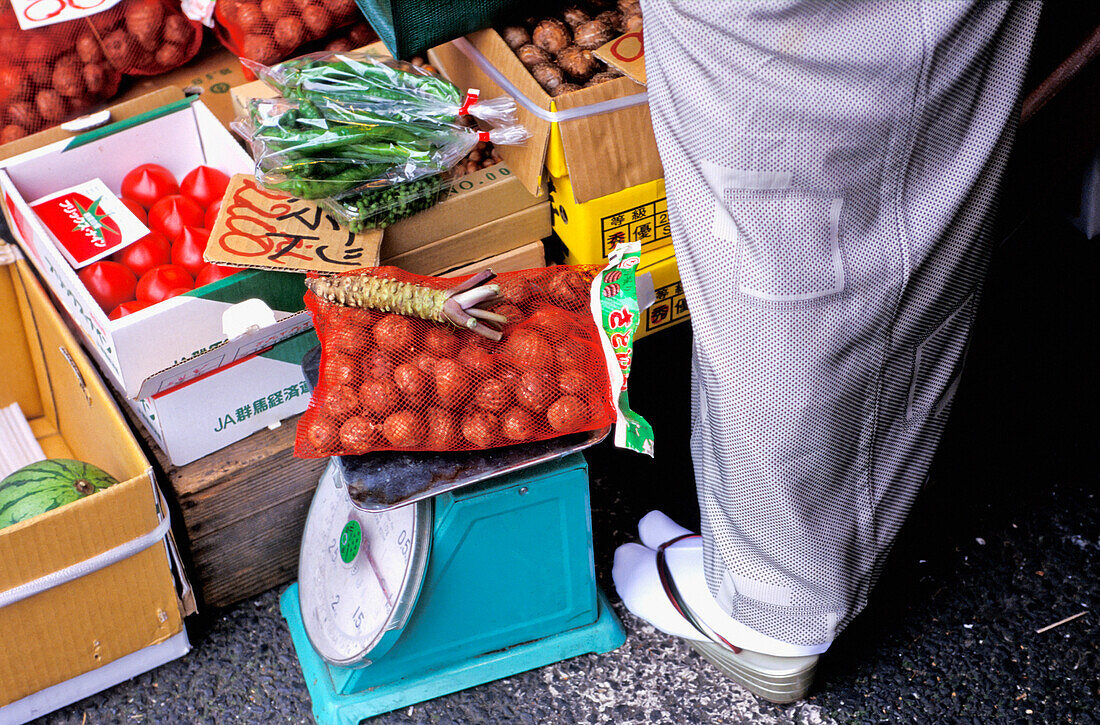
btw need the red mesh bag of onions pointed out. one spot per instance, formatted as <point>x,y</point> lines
<point>267,31</point>
<point>61,61</point>
<point>427,363</point>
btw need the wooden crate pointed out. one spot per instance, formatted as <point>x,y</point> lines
<point>243,509</point>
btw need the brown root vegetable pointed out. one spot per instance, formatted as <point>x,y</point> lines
<point>477,359</point>
<point>290,32</point>
<point>425,363</point>
<point>317,19</point>
<point>349,338</point>
<point>322,434</point>
<point>340,401</point>
<point>549,76</point>
<point>339,45</point>
<point>570,354</point>
<point>412,383</point>
<point>535,390</point>
<point>481,428</point>
<point>515,36</point>
<point>441,342</point>
<point>451,380</point>
<point>603,77</point>
<point>341,369</point>
<point>341,10</point>
<point>11,132</point>
<point>568,413</point>
<point>632,23</point>
<point>118,47</point>
<point>249,18</point>
<point>593,34</point>
<point>630,7</point>
<point>517,424</point>
<point>51,105</point>
<point>613,19</point>
<point>23,114</point>
<point>404,429</point>
<point>379,396</point>
<point>170,55</point>
<point>556,324</point>
<point>68,78</point>
<point>394,333</point>
<point>361,34</point>
<point>144,20</point>
<point>492,395</point>
<point>179,30</point>
<point>573,382</point>
<point>260,48</point>
<point>95,79</point>
<point>442,432</point>
<point>273,10</point>
<point>568,289</point>
<point>565,88</point>
<point>574,16</point>
<point>528,350</point>
<point>532,55</point>
<point>358,434</point>
<point>578,63</point>
<point>552,35</point>
<point>87,47</point>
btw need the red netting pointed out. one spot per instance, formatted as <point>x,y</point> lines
<point>52,73</point>
<point>389,382</point>
<point>268,31</point>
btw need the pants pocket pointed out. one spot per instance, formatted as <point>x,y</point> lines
<point>938,362</point>
<point>789,246</point>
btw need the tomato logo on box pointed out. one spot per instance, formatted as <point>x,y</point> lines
<point>88,222</point>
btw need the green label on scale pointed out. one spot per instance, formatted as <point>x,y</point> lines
<point>350,538</point>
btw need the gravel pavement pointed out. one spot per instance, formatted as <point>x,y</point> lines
<point>1004,541</point>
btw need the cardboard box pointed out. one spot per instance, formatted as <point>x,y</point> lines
<point>670,305</point>
<point>211,73</point>
<point>185,337</point>
<point>591,229</point>
<point>468,247</point>
<point>137,346</point>
<point>601,153</point>
<point>94,630</point>
<point>529,256</point>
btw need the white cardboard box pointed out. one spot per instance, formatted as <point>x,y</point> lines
<point>174,335</point>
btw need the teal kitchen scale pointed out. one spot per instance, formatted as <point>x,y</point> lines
<point>422,575</point>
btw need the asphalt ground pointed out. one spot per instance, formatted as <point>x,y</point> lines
<point>1003,542</point>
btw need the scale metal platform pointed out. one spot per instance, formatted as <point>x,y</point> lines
<point>481,571</point>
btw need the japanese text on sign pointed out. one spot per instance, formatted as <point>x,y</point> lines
<point>263,228</point>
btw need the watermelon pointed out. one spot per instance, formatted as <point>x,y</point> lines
<point>44,485</point>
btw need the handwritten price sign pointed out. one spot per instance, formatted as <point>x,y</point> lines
<point>263,228</point>
<point>37,13</point>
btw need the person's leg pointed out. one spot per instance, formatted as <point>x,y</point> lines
<point>831,170</point>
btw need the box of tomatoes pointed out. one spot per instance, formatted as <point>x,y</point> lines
<point>116,221</point>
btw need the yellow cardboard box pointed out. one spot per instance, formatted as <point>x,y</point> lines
<point>591,229</point>
<point>670,306</point>
<point>60,643</point>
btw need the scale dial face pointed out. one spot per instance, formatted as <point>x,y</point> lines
<point>359,572</point>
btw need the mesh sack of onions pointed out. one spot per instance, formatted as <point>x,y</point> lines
<point>54,69</point>
<point>433,364</point>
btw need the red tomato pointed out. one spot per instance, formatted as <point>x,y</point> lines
<point>137,209</point>
<point>147,183</point>
<point>170,214</point>
<point>109,283</point>
<point>214,272</point>
<point>128,308</point>
<point>204,184</point>
<point>212,214</point>
<point>150,251</point>
<point>157,284</point>
<point>177,292</point>
<point>188,249</point>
